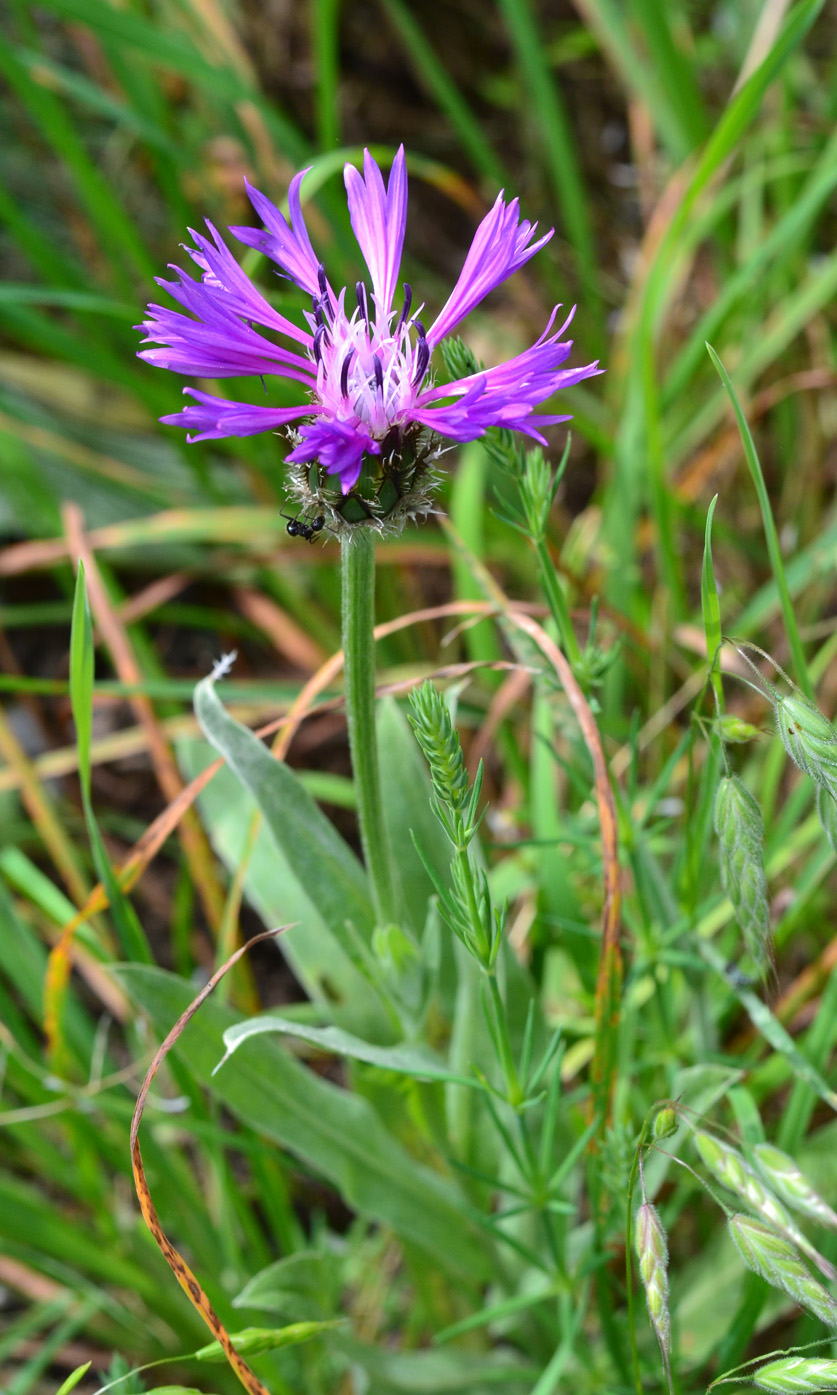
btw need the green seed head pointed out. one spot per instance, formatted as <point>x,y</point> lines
<point>778,1262</point>
<point>809,738</point>
<point>652,1253</point>
<point>797,1375</point>
<point>789,1181</point>
<point>730,1168</point>
<point>739,826</point>
<point>431,721</point>
<point>733,1172</point>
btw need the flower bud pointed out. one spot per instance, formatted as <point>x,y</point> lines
<point>735,730</point>
<point>665,1123</point>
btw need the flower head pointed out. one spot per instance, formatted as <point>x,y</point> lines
<point>364,367</point>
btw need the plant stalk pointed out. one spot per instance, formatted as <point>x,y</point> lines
<point>358,566</point>
<point>557,602</point>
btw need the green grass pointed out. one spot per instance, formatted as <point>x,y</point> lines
<point>685,155</point>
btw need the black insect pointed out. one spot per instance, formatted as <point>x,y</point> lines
<point>298,528</point>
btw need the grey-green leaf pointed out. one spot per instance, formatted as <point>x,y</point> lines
<point>332,876</point>
<point>415,1061</point>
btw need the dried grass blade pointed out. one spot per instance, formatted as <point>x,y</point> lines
<point>173,1258</point>
<point>195,843</point>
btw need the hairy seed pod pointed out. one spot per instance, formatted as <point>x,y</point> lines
<point>827,815</point>
<point>652,1253</point>
<point>733,1172</point>
<point>776,1260</point>
<point>797,1375</point>
<point>809,739</point>
<point>738,824</point>
<point>788,1179</point>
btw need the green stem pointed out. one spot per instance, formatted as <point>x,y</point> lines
<point>514,1093</point>
<point>557,602</point>
<point>358,564</point>
<point>629,1278</point>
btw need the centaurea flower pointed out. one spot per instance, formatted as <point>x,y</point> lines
<point>370,400</point>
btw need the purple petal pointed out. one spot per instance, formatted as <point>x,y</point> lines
<point>217,344</point>
<point>339,446</point>
<point>223,276</point>
<point>506,395</point>
<point>287,245</point>
<point>215,417</point>
<point>379,218</point>
<point>500,247</point>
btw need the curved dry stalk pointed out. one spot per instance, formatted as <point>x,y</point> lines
<point>173,1258</point>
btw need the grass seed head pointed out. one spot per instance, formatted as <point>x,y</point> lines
<point>739,826</point>
<point>777,1261</point>
<point>652,1253</point>
<point>431,721</point>
<point>787,1178</point>
<point>730,1169</point>
<point>797,1375</point>
<point>809,738</point>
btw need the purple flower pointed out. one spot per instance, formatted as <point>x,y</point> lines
<point>364,367</point>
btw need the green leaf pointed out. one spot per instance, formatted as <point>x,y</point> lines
<point>73,1379</point>
<point>302,1286</point>
<point>418,1062</point>
<point>330,965</point>
<point>771,1028</point>
<point>405,792</point>
<point>711,605</point>
<point>81,676</point>
<point>337,1133</point>
<point>770,533</point>
<point>445,1372</point>
<point>331,875</point>
<point>82,658</point>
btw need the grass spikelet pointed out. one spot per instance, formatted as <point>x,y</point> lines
<point>797,1375</point>
<point>730,1169</point>
<point>809,738</point>
<point>738,824</point>
<point>776,1261</point>
<point>733,1172</point>
<point>652,1253</point>
<point>788,1179</point>
<point>431,721</point>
